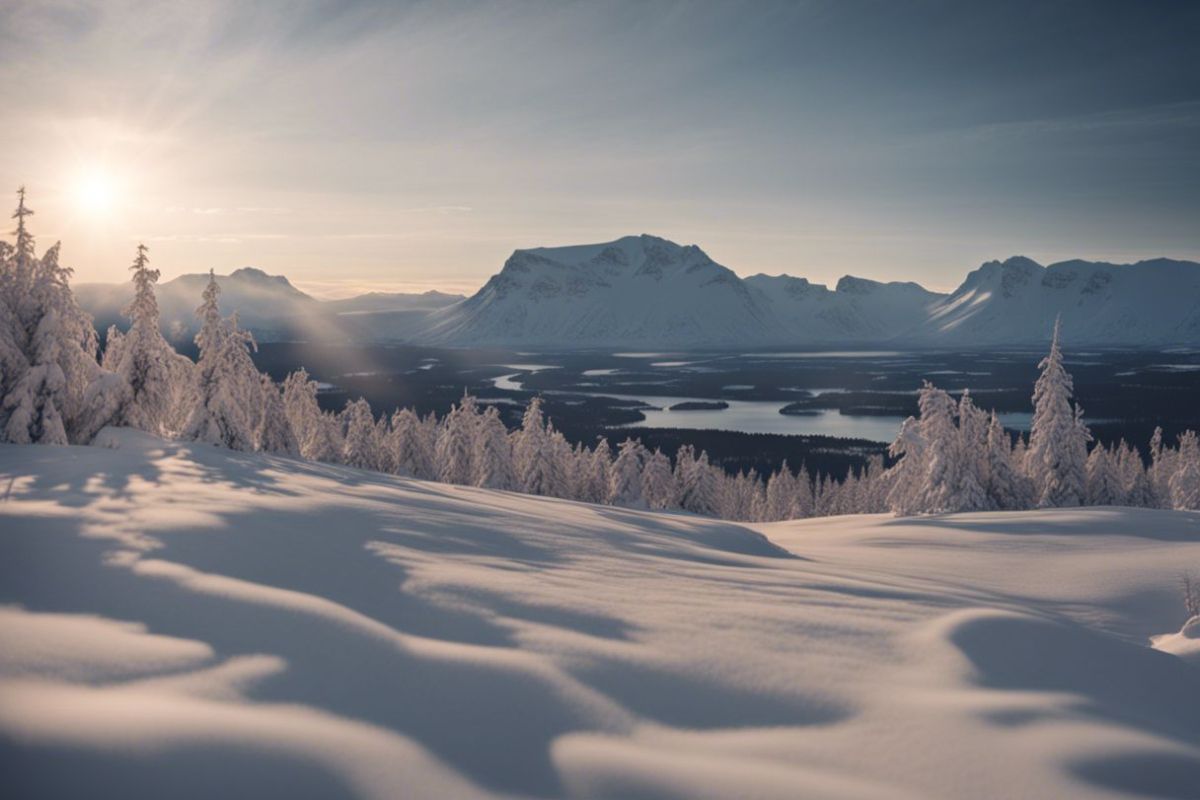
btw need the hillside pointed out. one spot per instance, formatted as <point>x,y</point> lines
<point>184,621</point>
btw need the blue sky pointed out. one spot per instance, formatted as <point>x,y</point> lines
<point>355,145</point>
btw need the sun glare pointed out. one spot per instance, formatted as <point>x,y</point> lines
<point>95,192</point>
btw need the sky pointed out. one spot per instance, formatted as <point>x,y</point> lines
<point>356,145</point>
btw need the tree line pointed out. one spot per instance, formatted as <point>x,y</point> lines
<point>56,388</point>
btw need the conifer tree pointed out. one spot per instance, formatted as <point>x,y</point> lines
<point>1135,482</point>
<point>361,449</point>
<point>144,359</point>
<point>1007,488</point>
<point>275,434</point>
<point>658,481</point>
<point>326,441</point>
<point>228,388</point>
<point>55,391</point>
<point>595,473</point>
<point>780,495</point>
<point>411,450</point>
<point>906,478</point>
<point>492,459</point>
<point>1162,467</point>
<point>699,482</point>
<point>803,506</point>
<point>1057,439</point>
<point>625,483</point>
<point>1103,485</point>
<point>1184,483</point>
<point>456,443</point>
<point>534,453</point>
<point>949,483</point>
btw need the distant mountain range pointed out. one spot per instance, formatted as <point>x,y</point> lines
<point>645,291</point>
<point>268,305</point>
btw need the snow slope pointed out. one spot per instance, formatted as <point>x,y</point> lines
<point>183,621</point>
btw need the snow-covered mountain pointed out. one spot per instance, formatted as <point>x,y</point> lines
<point>856,310</point>
<point>643,290</point>
<point>649,292</point>
<point>388,302</point>
<point>182,621</point>
<point>1015,302</point>
<point>268,305</point>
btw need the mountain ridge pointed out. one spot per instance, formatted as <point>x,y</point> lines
<point>645,290</point>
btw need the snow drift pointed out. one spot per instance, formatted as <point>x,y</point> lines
<point>179,620</point>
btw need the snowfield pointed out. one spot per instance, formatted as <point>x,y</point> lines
<point>187,622</point>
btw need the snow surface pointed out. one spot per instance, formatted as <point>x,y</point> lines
<point>182,621</point>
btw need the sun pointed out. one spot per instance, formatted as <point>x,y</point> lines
<point>94,192</point>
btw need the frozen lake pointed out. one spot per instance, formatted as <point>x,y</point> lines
<point>754,416</point>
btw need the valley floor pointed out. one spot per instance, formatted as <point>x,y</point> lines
<point>180,621</point>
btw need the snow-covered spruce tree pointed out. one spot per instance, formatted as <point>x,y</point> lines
<point>535,454</point>
<point>228,388</point>
<point>361,449</point>
<point>803,505</point>
<point>972,451</point>
<point>492,461</point>
<point>1162,467</point>
<point>1103,486</point>
<point>327,441</point>
<point>595,474</point>
<point>56,392</point>
<point>699,483</point>
<point>411,450</point>
<point>781,495</point>
<point>560,454</point>
<point>455,453</point>
<point>1184,483</point>
<point>625,483</point>
<point>1007,487</point>
<point>824,496</point>
<point>1057,438</point>
<point>658,482</point>
<point>13,362</point>
<point>752,497</point>
<point>1134,480</point>
<point>578,464</point>
<point>383,448</point>
<point>301,408</point>
<point>906,477</point>
<point>16,273</point>
<point>144,359</point>
<point>738,497</point>
<point>274,434</point>
<point>874,492</point>
<point>949,483</point>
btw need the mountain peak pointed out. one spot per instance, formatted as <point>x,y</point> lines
<point>256,275</point>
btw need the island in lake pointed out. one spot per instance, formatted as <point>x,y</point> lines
<point>700,405</point>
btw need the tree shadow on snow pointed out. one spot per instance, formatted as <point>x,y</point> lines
<point>1145,523</point>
